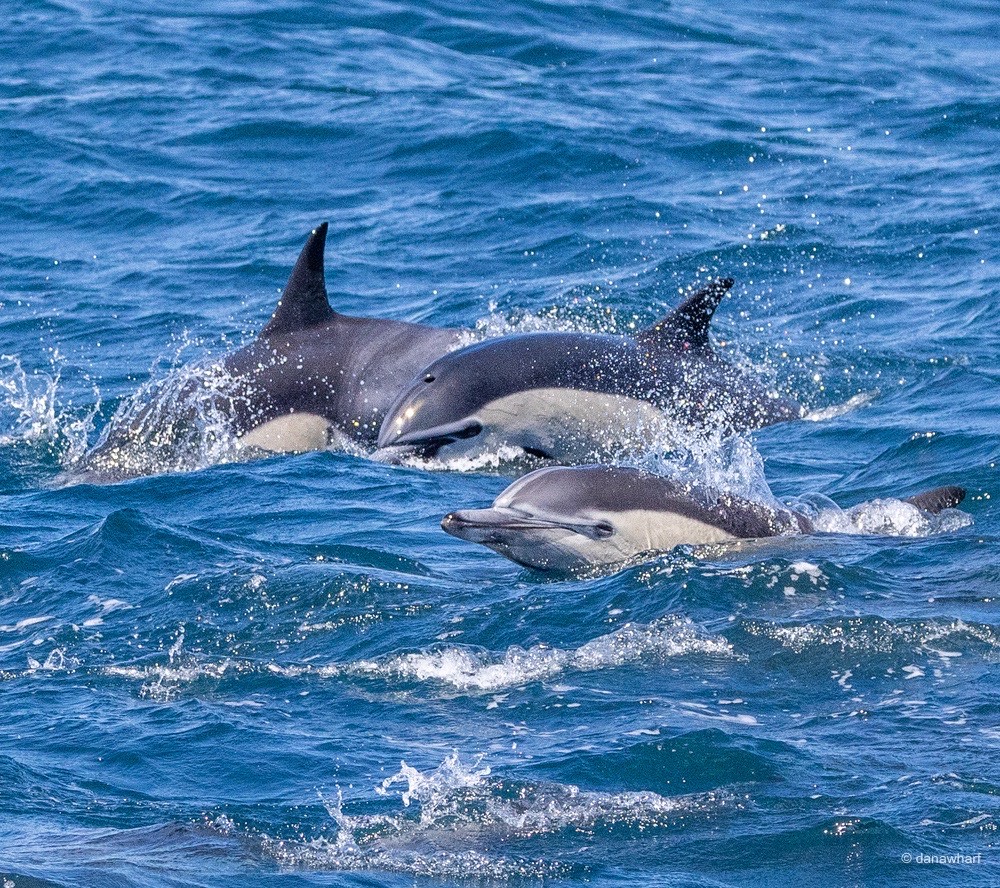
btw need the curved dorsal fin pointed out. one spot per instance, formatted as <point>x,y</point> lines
<point>304,302</point>
<point>689,321</point>
<point>939,498</point>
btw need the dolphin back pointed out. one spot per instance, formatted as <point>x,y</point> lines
<point>938,499</point>
<point>689,322</point>
<point>304,302</point>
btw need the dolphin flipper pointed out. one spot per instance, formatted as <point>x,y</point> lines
<point>688,322</point>
<point>304,302</point>
<point>938,499</point>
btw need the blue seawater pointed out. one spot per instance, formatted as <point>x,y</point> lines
<point>281,672</point>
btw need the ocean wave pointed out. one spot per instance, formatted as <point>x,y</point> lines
<point>469,670</point>
<point>460,820</point>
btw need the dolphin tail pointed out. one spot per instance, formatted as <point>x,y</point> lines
<point>938,499</point>
<point>304,302</point>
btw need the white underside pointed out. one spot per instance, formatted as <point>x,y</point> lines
<point>648,531</point>
<point>292,433</point>
<point>570,425</point>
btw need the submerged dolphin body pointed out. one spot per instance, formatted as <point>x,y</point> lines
<point>575,397</point>
<point>311,376</point>
<point>567,518</point>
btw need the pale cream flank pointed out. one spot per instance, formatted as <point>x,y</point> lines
<point>292,433</point>
<point>567,423</point>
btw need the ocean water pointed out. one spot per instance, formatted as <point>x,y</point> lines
<point>282,672</point>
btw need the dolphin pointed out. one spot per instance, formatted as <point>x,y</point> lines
<point>312,377</point>
<point>577,397</point>
<point>567,518</point>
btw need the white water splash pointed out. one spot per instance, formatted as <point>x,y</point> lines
<point>714,459</point>
<point>466,817</point>
<point>507,459</point>
<point>57,661</point>
<point>177,423</point>
<point>30,399</point>
<point>429,788</point>
<point>876,635</point>
<point>878,517</point>
<point>163,681</point>
<point>588,316</point>
<point>447,794</point>
<point>849,406</point>
<point>180,423</point>
<point>466,669</point>
<point>29,411</point>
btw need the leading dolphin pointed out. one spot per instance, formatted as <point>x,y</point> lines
<point>312,375</point>
<point>575,397</point>
<point>566,518</point>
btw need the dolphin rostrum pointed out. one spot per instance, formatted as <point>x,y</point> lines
<point>575,397</point>
<point>312,376</point>
<point>567,518</point>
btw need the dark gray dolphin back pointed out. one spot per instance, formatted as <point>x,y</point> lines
<point>304,302</point>
<point>311,359</point>
<point>671,365</point>
<point>308,359</point>
<point>689,322</point>
<point>696,381</point>
<point>938,499</point>
<point>466,380</point>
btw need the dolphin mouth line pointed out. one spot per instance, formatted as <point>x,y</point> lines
<point>461,521</point>
<point>427,442</point>
<point>494,521</point>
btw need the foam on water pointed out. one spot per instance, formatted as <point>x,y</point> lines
<point>871,634</point>
<point>855,402</point>
<point>466,819</point>
<point>176,424</point>
<point>879,517</point>
<point>30,412</point>
<point>468,670</point>
<point>459,667</point>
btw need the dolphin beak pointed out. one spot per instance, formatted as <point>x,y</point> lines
<point>478,525</point>
<point>537,543</point>
<point>427,441</point>
<point>493,525</point>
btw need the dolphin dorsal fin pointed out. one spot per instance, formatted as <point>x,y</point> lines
<point>689,321</point>
<point>936,500</point>
<point>304,302</point>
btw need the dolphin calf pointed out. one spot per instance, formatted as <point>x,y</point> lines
<point>576,397</point>
<point>311,377</point>
<point>567,518</point>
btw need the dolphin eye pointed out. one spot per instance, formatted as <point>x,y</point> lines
<point>429,377</point>
<point>603,530</point>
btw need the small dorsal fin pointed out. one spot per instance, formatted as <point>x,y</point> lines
<point>936,500</point>
<point>689,321</point>
<point>304,302</point>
